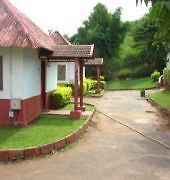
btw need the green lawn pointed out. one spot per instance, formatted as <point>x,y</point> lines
<point>70,106</point>
<point>142,83</point>
<point>94,94</point>
<point>162,98</point>
<point>47,129</point>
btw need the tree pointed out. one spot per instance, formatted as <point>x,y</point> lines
<point>106,31</point>
<point>151,51</point>
<point>160,13</point>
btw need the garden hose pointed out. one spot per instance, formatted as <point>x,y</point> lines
<point>135,130</point>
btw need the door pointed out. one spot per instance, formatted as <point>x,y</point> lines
<point>43,82</point>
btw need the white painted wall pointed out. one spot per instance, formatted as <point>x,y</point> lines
<point>51,76</point>
<point>12,73</point>
<point>5,93</point>
<point>168,63</point>
<point>31,74</point>
<point>21,79</point>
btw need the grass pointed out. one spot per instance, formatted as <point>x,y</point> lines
<point>47,129</point>
<point>162,98</point>
<point>70,106</point>
<point>94,94</point>
<point>142,83</point>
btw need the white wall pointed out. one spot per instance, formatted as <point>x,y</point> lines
<point>51,76</point>
<point>31,73</point>
<point>12,73</point>
<point>5,93</point>
<point>21,79</point>
<point>168,57</point>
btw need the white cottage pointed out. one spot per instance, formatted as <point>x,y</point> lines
<point>25,81</point>
<point>30,67</point>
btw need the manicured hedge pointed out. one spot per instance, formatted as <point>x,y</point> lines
<point>61,96</point>
<point>92,84</point>
<point>166,74</point>
<point>155,75</point>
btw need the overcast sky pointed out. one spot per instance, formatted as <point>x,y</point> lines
<point>67,15</point>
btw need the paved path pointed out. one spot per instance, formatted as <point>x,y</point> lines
<point>109,150</point>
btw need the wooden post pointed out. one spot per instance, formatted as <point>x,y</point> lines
<point>76,86</point>
<point>81,86</point>
<point>76,114</point>
<point>98,79</point>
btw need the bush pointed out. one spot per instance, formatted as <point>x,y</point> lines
<point>155,75</point>
<point>103,85</point>
<point>88,83</point>
<point>92,84</point>
<point>166,74</point>
<point>102,78</point>
<point>137,72</point>
<point>64,85</point>
<point>61,97</point>
<point>84,88</point>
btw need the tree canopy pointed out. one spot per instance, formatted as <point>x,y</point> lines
<point>106,31</point>
<point>160,13</point>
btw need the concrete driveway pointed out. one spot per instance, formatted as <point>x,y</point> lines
<point>109,150</point>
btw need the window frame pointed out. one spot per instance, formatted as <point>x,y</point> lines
<point>62,64</point>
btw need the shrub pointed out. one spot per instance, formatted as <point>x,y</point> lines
<point>88,83</point>
<point>92,84</point>
<point>155,75</point>
<point>102,78</point>
<point>137,72</point>
<point>64,85</point>
<point>84,89</point>
<point>103,85</point>
<point>124,73</point>
<point>166,74</point>
<point>61,97</point>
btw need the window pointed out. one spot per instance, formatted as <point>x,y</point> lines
<point>1,73</point>
<point>61,72</point>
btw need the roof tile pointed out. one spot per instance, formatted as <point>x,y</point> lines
<point>16,30</point>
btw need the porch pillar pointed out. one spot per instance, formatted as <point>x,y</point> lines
<point>76,114</point>
<point>76,86</point>
<point>81,86</point>
<point>98,79</point>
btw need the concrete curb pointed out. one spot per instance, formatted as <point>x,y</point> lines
<point>14,154</point>
<point>162,110</point>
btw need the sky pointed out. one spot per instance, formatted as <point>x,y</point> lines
<point>67,15</point>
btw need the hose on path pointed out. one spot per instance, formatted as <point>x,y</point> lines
<point>135,130</point>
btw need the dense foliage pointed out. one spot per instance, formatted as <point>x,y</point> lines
<point>106,31</point>
<point>160,12</point>
<point>155,75</point>
<point>166,74</point>
<point>140,54</point>
<point>130,49</point>
<point>61,96</point>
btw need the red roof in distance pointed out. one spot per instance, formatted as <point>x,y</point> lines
<point>59,39</point>
<point>17,30</point>
<point>73,52</point>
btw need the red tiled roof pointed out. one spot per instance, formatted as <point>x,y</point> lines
<point>73,51</point>
<point>16,30</point>
<point>96,61</point>
<point>59,39</point>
